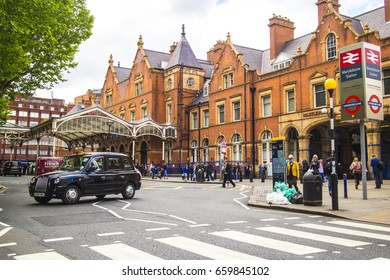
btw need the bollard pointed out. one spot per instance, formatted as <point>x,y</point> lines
<point>240,175</point>
<point>345,186</point>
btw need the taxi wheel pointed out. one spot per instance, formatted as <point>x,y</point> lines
<point>42,200</point>
<point>71,195</point>
<point>129,191</point>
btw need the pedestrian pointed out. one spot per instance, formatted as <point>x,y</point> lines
<point>321,169</point>
<point>152,169</point>
<point>292,172</point>
<point>227,174</point>
<point>328,172</point>
<point>209,172</point>
<point>262,171</point>
<point>165,170</point>
<point>315,164</point>
<point>356,170</point>
<point>305,168</point>
<point>184,173</point>
<point>377,167</point>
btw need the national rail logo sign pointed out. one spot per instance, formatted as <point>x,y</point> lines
<point>361,82</point>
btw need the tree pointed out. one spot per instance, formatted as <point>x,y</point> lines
<point>38,42</point>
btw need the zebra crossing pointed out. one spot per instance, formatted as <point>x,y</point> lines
<point>310,239</point>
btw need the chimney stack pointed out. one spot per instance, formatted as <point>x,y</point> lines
<point>281,31</point>
<point>387,10</point>
<point>323,7</point>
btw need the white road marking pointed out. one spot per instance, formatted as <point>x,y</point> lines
<point>8,244</point>
<point>157,229</point>
<point>122,251</point>
<point>41,256</point>
<point>110,233</point>
<point>346,231</point>
<point>58,239</point>
<point>199,225</point>
<point>204,249</point>
<point>5,225</point>
<point>292,218</point>
<point>313,236</point>
<point>237,222</point>
<point>239,202</point>
<point>283,246</point>
<point>4,231</point>
<point>359,225</point>
<point>268,220</point>
<point>182,219</point>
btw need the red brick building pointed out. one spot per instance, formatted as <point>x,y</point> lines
<point>184,107</point>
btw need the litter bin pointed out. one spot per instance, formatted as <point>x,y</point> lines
<point>312,189</point>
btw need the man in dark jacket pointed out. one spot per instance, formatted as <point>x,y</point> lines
<point>227,176</point>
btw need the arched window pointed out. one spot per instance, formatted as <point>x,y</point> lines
<point>220,155</point>
<point>331,47</point>
<point>237,148</point>
<point>205,147</point>
<point>194,149</point>
<point>292,143</point>
<point>266,145</point>
<point>169,152</point>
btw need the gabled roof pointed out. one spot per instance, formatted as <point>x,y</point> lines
<point>122,73</point>
<point>252,57</point>
<point>375,20</point>
<point>183,54</point>
<point>157,60</point>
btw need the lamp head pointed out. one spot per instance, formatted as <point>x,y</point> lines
<point>330,84</point>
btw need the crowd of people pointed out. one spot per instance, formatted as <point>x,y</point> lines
<point>231,172</point>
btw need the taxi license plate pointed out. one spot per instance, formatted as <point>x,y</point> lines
<point>39,194</point>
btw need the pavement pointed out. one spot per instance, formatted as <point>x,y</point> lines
<point>351,204</point>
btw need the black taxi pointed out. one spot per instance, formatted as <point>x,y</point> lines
<point>87,174</point>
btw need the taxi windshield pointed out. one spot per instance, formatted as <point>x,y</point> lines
<point>75,163</point>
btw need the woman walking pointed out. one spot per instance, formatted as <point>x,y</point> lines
<point>356,169</point>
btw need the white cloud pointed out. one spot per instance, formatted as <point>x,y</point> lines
<point>119,23</point>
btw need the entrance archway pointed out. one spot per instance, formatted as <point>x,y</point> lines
<point>144,153</point>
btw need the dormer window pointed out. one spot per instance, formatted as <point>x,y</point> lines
<point>282,65</point>
<point>330,47</point>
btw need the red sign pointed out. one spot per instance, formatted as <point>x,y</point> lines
<point>374,104</point>
<point>352,101</point>
<point>351,58</point>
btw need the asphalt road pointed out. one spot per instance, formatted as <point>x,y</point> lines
<point>176,221</point>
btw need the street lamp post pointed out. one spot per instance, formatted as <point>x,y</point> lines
<point>109,123</point>
<point>330,85</point>
<point>253,90</point>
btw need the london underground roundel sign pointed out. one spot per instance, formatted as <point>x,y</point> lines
<point>352,104</point>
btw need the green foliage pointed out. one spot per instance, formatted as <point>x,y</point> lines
<point>4,110</point>
<point>38,42</point>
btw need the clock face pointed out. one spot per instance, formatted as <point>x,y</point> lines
<point>190,82</point>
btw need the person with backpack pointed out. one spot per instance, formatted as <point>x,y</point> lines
<point>328,172</point>
<point>377,168</point>
<point>356,170</point>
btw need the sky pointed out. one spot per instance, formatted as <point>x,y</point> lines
<point>119,23</point>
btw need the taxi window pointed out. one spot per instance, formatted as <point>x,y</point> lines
<point>74,162</point>
<point>128,164</point>
<point>113,163</point>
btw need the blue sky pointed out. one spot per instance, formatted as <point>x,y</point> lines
<point>119,23</point>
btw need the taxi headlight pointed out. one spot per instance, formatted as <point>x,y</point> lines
<point>56,181</point>
<point>33,180</point>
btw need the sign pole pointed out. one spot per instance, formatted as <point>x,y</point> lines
<point>363,158</point>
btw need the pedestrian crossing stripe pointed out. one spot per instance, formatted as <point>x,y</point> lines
<point>360,225</point>
<point>204,249</point>
<point>284,246</point>
<point>122,251</point>
<point>346,231</point>
<point>41,256</point>
<point>315,237</point>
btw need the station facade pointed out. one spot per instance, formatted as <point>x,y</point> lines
<point>243,97</point>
